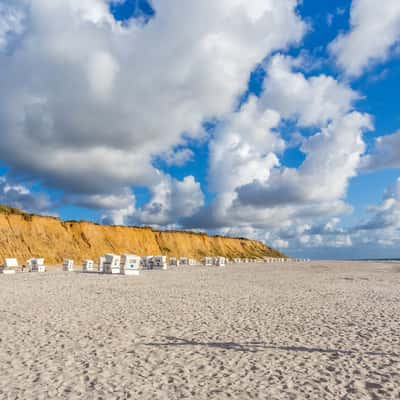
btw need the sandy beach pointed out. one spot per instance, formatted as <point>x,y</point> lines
<point>319,330</point>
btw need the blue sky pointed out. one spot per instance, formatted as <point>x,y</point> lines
<point>274,121</point>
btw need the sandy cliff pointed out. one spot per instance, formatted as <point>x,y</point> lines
<point>24,236</point>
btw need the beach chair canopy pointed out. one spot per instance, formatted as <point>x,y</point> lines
<point>11,263</point>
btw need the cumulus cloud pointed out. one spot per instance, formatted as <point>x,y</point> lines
<point>280,244</point>
<point>244,147</point>
<point>332,157</point>
<point>386,216</point>
<point>87,102</point>
<point>258,196</point>
<point>252,186</point>
<point>117,200</point>
<point>171,200</point>
<point>321,241</point>
<point>376,235</point>
<point>102,70</point>
<point>313,101</point>
<point>328,234</point>
<point>11,22</point>
<point>178,157</point>
<point>385,153</point>
<point>21,197</point>
<point>375,29</point>
<point>380,229</point>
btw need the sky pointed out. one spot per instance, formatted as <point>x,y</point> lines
<point>277,121</point>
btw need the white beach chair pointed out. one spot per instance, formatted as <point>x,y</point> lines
<point>219,261</point>
<point>68,265</point>
<point>207,261</point>
<point>173,261</point>
<point>36,265</point>
<point>10,266</point>
<point>158,262</point>
<point>130,264</point>
<point>100,267</point>
<point>112,264</point>
<point>147,262</point>
<point>183,261</point>
<point>88,265</point>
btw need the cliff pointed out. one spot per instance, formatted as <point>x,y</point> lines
<point>25,235</point>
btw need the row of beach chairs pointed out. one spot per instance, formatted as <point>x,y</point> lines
<point>126,264</point>
<point>131,264</point>
<point>11,266</point>
<point>206,261</point>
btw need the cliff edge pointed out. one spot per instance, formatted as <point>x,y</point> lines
<point>24,235</point>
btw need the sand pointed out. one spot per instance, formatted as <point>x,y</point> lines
<point>322,330</point>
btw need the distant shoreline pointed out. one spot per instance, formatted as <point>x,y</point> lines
<point>363,259</point>
<point>373,259</point>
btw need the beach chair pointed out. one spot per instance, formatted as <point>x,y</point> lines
<point>36,265</point>
<point>219,261</point>
<point>10,266</point>
<point>173,261</point>
<point>158,262</point>
<point>183,261</point>
<point>68,265</point>
<point>100,267</point>
<point>130,264</point>
<point>112,264</point>
<point>147,262</point>
<point>88,265</point>
<point>207,261</point>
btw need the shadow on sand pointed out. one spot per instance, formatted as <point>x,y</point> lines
<point>254,347</point>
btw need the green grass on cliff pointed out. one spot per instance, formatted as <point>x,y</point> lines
<point>7,210</point>
<point>11,210</point>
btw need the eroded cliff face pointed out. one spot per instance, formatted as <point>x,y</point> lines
<point>24,236</point>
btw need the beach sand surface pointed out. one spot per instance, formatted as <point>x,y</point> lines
<point>318,330</point>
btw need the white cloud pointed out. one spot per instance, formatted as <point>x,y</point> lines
<point>314,101</point>
<point>375,29</point>
<point>120,200</point>
<point>21,197</point>
<point>386,216</point>
<point>244,147</point>
<point>87,103</point>
<point>318,186</point>
<point>310,241</point>
<point>102,70</point>
<point>11,22</point>
<point>96,11</point>
<point>171,200</point>
<point>255,194</point>
<point>178,157</point>
<point>377,235</point>
<point>384,154</point>
<point>253,188</point>
<point>118,216</point>
<point>280,244</point>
